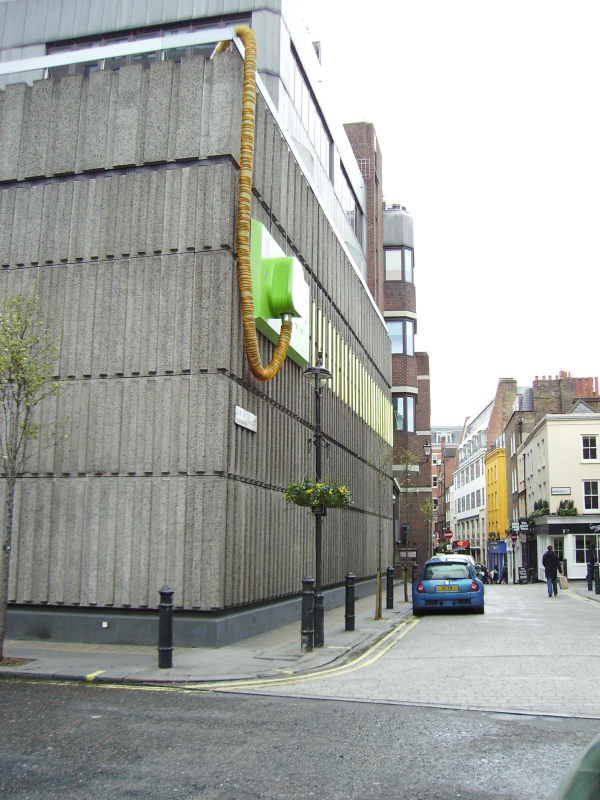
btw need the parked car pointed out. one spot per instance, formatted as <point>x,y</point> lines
<point>456,556</point>
<point>447,584</point>
<point>582,781</point>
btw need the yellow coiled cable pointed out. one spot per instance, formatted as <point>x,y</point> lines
<point>243,219</point>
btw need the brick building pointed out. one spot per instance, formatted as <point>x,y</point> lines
<point>389,251</point>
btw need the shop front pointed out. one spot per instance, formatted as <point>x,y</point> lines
<point>496,556</point>
<point>572,538</point>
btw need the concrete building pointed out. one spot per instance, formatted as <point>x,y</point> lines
<point>119,167</point>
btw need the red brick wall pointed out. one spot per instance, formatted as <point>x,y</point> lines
<point>362,139</point>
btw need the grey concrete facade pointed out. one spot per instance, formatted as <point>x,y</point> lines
<point>118,201</point>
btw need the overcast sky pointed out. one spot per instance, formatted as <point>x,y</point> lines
<point>487,115</point>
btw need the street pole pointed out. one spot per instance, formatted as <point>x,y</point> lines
<point>321,374</point>
<point>319,512</point>
<point>513,545</point>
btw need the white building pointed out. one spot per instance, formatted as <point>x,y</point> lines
<point>468,509</point>
<point>562,463</point>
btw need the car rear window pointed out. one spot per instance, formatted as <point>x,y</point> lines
<point>445,572</point>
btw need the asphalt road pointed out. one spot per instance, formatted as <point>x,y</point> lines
<point>470,707</point>
<point>89,742</point>
<point>528,653</point>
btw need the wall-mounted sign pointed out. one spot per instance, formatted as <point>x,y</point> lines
<point>245,418</point>
<point>560,490</point>
<point>524,525</point>
<point>279,285</point>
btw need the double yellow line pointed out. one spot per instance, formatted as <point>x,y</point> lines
<point>367,658</point>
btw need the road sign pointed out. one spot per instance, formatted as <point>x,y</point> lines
<point>514,526</point>
<point>448,534</point>
<point>513,536</point>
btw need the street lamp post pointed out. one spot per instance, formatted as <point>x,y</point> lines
<point>320,375</point>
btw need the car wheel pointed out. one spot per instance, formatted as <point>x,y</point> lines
<point>480,610</point>
<point>417,612</point>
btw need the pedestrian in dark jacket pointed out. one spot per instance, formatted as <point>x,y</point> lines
<point>551,564</point>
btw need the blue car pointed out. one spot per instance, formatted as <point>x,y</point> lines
<point>447,584</point>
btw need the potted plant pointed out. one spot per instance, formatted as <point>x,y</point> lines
<point>310,493</point>
<point>566,508</point>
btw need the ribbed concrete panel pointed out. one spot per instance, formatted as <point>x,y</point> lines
<point>128,118</point>
<point>36,130</point>
<point>133,318</point>
<point>34,225</point>
<point>64,134</point>
<point>192,564</point>
<point>17,256</point>
<point>156,137</point>
<point>118,319</point>
<point>124,544</point>
<point>7,210</point>
<point>189,107</point>
<point>48,226</point>
<point>124,216</point>
<point>77,238</point>
<point>184,312</point>
<point>63,222</point>
<point>259,147</point>
<point>225,111</point>
<point>94,123</point>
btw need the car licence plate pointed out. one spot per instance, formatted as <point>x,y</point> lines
<point>453,587</point>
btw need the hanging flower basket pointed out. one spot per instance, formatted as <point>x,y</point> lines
<point>310,493</point>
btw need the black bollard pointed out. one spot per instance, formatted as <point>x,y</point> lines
<point>415,572</point>
<point>390,588</point>
<point>165,628</point>
<point>565,573</point>
<point>307,632</point>
<point>590,576</point>
<point>596,579</point>
<point>350,616</point>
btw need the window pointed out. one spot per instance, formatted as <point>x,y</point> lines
<point>404,412</point>
<point>558,545</point>
<point>582,545</point>
<point>312,119</point>
<point>434,481</point>
<point>590,495</point>
<point>590,448</point>
<point>402,334</point>
<point>399,264</point>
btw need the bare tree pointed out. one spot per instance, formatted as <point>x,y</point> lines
<point>408,466</point>
<point>427,512</point>
<point>28,356</point>
<point>382,461</point>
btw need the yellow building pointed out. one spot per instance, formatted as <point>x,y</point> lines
<point>495,487</point>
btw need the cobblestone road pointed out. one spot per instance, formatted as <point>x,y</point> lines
<point>528,654</point>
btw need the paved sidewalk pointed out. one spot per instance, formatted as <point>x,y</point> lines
<point>274,653</point>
